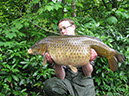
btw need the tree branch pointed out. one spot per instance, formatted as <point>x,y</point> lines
<point>63,2</point>
<point>44,29</point>
<point>105,4</point>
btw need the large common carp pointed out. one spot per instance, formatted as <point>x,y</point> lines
<point>75,50</point>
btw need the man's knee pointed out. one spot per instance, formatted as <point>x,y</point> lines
<point>48,85</point>
<point>54,87</point>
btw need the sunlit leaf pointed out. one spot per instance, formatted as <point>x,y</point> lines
<point>15,77</point>
<point>9,78</point>
<point>49,8</point>
<point>19,25</point>
<point>112,20</point>
<point>11,35</point>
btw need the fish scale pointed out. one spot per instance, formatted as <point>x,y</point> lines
<point>75,50</point>
<point>67,53</point>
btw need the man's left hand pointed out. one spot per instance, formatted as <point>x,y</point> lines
<point>93,55</point>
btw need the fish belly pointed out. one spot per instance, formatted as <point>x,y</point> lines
<point>75,55</point>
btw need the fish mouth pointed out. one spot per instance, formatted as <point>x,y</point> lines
<point>29,51</point>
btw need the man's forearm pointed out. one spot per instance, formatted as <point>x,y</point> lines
<point>87,69</point>
<point>59,71</point>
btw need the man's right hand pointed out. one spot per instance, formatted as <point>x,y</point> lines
<point>48,57</point>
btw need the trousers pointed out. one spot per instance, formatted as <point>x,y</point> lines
<point>74,84</point>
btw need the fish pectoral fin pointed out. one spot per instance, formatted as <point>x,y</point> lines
<point>74,69</point>
<point>44,59</point>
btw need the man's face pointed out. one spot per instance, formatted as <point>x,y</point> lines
<point>66,28</point>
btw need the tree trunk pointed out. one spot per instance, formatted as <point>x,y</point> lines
<point>63,2</point>
<point>73,5</point>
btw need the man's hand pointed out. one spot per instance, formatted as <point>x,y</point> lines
<point>48,57</point>
<point>93,55</point>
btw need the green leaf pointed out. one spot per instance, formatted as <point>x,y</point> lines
<point>7,66</point>
<point>40,11</point>
<point>19,25</point>
<point>22,82</point>
<point>1,13</point>
<point>38,84</point>
<point>23,62</point>
<point>15,77</point>
<point>102,74</point>
<point>23,90</point>
<point>6,86</point>
<point>49,8</point>
<point>2,43</point>
<point>15,70</point>
<point>5,44</point>
<point>16,93</point>
<point>112,20</point>
<point>25,66</point>
<point>35,1</point>
<point>98,80</point>
<point>14,29</point>
<point>11,35</point>
<point>21,34</point>
<point>122,14</point>
<point>26,24</point>
<point>57,6</point>
<point>6,70</point>
<point>9,78</point>
<point>35,73</point>
<point>5,31</point>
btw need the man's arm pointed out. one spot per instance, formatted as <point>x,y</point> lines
<point>88,68</point>
<point>59,71</point>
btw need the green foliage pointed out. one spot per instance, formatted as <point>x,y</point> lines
<point>112,20</point>
<point>25,22</point>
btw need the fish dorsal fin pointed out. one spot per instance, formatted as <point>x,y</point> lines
<point>44,59</point>
<point>74,69</point>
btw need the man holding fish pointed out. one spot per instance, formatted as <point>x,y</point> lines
<point>67,82</point>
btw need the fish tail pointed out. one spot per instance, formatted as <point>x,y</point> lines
<point>120,57</point>
<point>114,59</point>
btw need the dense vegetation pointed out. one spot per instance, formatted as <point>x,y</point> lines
<point>23,22</point>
